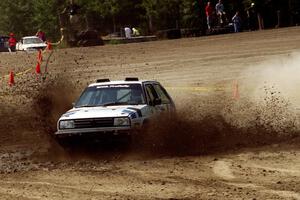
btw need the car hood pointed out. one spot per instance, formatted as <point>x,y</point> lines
<point>132,111</point>
<point>34,45</point>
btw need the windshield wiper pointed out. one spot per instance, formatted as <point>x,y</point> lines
<point>114,103</point>
<point>105,104</point>
<point>85,106</point>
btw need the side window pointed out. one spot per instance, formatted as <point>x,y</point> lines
<point>151,95</point>
<point>162,94</point>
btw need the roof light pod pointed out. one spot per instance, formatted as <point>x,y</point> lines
<point>131,79</point>
<point>102,80</point>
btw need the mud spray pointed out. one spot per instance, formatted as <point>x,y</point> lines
<point>203,125</point>
<point>267,113</point>
<point>29,111</point>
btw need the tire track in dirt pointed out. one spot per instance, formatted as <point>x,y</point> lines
<point>292,172</point>
<point>264,190</point>
<point>223,170</point>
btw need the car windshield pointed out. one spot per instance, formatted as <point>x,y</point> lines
<point>109,95</point>
<point>32,41</point>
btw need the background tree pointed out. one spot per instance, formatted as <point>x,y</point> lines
<point>150,7</point>
<point>45,17</point>
<point>25,17</point>
<point>16,16</point>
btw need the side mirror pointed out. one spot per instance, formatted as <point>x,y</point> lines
<point>73,104</point>
<point>156,102</point>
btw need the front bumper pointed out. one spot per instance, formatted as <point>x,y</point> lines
<point>34,48</point>
<point>115,131</point>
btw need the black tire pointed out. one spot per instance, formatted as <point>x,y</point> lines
<point>65,142</point>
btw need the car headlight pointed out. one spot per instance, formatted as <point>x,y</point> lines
<point>122,121</point>
<point>66,124</point>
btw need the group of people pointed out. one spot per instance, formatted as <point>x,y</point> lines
<point>12,41</point>
<point>221,16</point>
<point>131,32</point>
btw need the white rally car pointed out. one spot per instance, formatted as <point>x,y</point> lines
<point>114,108</point>
<point>30,43</point>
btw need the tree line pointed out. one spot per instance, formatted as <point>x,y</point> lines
<point>25,17</point>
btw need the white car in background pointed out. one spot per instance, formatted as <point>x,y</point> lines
<point>114,108</point>
<point>31,43</point>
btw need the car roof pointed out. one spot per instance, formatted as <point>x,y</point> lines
<point>120,83</point>
<point>28,37</point>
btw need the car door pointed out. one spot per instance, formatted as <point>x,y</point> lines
<point>152,96</point>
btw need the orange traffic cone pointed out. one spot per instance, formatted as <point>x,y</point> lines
<point>236,92</point>
<point>11,80</point>
<point>38,68</point>
<point>40,56</point>
<point>49,46</point>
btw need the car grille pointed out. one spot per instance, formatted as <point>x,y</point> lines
<point>94,123</point>
<point>35,48</point>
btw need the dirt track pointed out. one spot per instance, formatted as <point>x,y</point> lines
<point>198,73</point>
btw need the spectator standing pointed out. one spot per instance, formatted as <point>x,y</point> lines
<point>128,32</point>
<point>237,22</point>
<point>252,18</point>
<point>40,34</point>
<point>12,42</point>
<point>220,11</point>
<point>209,12</point>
